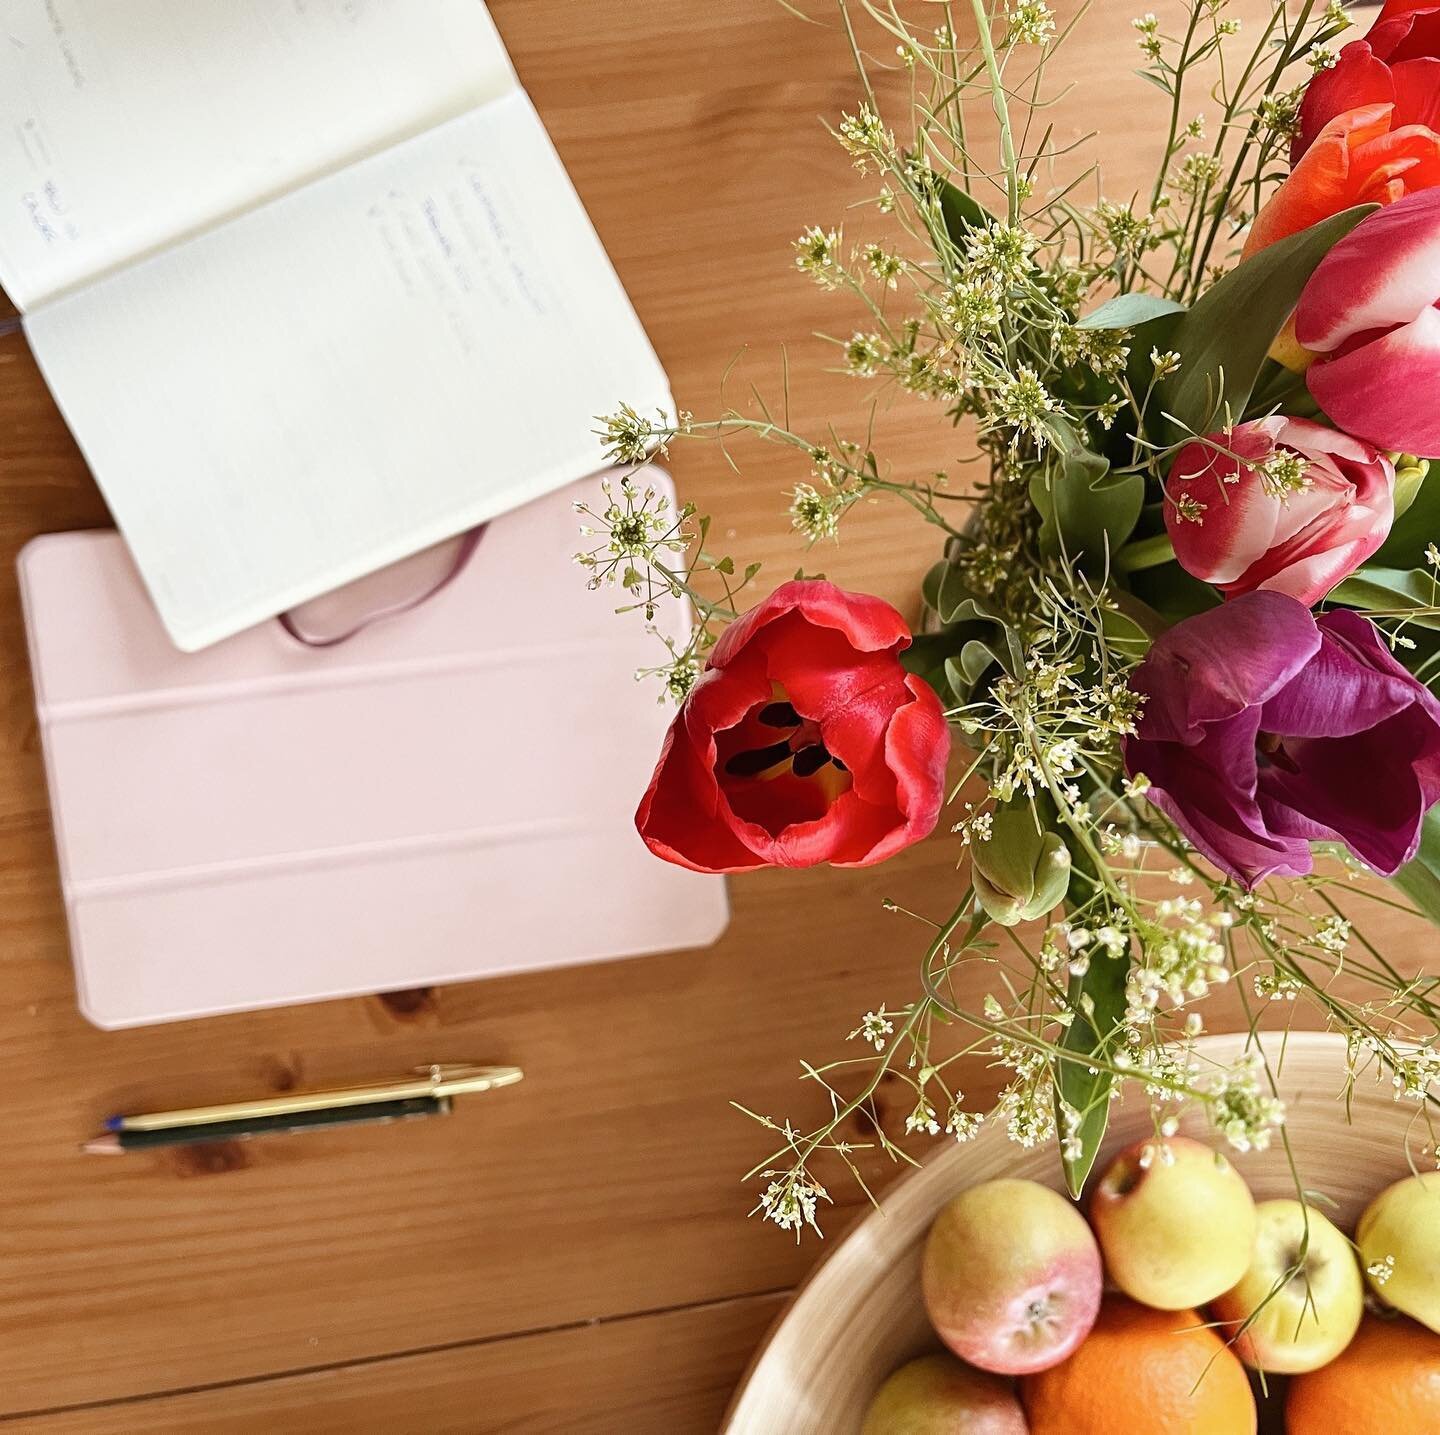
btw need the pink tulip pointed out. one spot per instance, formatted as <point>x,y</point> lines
<point>1282,504</point>
<point>1369,313</point>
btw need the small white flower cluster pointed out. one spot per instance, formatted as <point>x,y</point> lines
<point>1280,114</point>
<point>1380,1271</point>
<point>865,138</point>
<point>1147,27</point>
<point>817,254</point>
<point>1276,987</point>
<point>791,1199</point>
<point>637,528</point>
<point>1415,1072</point>
<point>961,1124</point>
<point>1284,474</point>
<point>874,1028</point>
<point>923,1118</point>
<point>1032,22</point>
<point>1240,1110</point>
<point>1179,963</point>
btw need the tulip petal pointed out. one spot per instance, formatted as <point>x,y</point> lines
<point>1323,181</point>
<point>682,817</point>
<point>1215,665</point>
<point>1385,391</point>
<point>1417,92</point>
<point>1207,790</point>
<point>1392,11</point>
<point>1335,696</point>
<point>1238,518</point>
<point>1383,273</point>
<point>917,749</point>
<point>1357,79</point>
<point>1334,794</point>
<point>868,623</point>
<point>1410,35</point>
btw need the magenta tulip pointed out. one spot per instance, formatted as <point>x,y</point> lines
<point>1283,504</point>
<point>1369,313</point>
<point>1265,729</point>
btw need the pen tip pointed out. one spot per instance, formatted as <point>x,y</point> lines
<point>114,1123</point>
<point>102,1146</point>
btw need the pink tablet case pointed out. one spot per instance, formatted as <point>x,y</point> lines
<point>447,795</point>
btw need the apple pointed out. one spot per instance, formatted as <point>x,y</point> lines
<point>1400,1234</point>
<point>937,1395</point>
<point>1176,1223</point>
<point>1011,1277</point>
<point>1303,1290</point>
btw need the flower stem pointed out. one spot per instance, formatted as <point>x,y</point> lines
<point>1002,109</point>
<point>1145,553</point>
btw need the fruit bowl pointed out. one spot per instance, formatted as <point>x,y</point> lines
<point>859,1315</point>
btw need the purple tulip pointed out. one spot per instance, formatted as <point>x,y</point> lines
<point>1265,729</point>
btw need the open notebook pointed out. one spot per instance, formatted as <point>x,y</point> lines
<point>307,280</point>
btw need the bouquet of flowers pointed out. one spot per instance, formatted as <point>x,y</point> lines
<point>1182,635</point>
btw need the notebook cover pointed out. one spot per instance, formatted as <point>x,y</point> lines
<point>448,795</point>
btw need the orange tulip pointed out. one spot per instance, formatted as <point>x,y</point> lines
<point>1357,158</point>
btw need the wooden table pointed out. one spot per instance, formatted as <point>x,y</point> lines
<point>571,1255</point>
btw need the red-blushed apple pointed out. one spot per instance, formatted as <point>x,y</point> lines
<point>939,1395</point>
<point>1399,1240</point>
<point>1300,1303</point>
<point>1011,1277</point>
<point>1175,1221</point>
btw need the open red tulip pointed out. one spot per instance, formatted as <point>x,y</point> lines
<point>804,741</point>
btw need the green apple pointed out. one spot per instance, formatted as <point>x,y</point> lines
<point>1176,1223</point>
<point>938,1395</point>
<point>1399,1240</point>
<point>1300,1303</point>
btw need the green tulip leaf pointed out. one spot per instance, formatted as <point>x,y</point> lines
<point>1098,1000</point>
<point>1126,311</point>
<point>961,212</point>
<point>1417,526</point>
<point>1411,593</point>
<point>1223,340</point>
<point>1087,513</point>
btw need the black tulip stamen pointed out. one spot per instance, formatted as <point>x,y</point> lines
<point>805,761</point>
<point>779,715</point>
<point>757,760</point>
<point>809,760</point>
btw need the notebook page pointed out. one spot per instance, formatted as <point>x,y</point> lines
<point>351,373</point>
<point>126,124</point>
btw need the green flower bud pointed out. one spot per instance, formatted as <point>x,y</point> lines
<point>1022,872</point>
<point>1410,473</point>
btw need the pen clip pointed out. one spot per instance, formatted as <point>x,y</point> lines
<point>441,1074</point>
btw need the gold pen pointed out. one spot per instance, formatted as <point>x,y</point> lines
<point>438,1081</point>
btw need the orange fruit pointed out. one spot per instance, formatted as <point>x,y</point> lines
<point>1143,1372</point>
<point>1387,1380</point>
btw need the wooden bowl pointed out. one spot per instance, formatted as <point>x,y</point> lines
<point>859,1315</point>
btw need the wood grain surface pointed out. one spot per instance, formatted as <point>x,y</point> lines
<point>607,1184</point>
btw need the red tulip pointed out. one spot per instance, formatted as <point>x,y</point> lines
<point>1395,64</point>
<point>1369,313</point>
<point>1363,156</point>
<point>1252,525</point>
<point>804,741</point>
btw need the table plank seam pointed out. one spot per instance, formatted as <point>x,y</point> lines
<point>364,1361</point>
